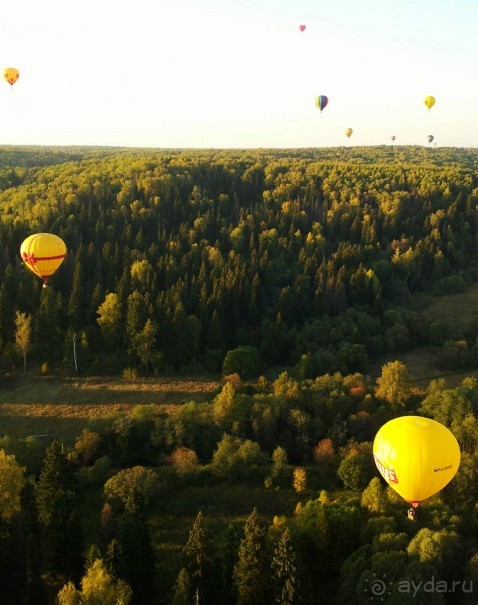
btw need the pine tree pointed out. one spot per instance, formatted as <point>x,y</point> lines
<point>135,318</point>
<point>199,550</point>
<point>251,569</point>
<point>144,343</point>
<point>284,571</point>
<point>183,589</point>
<point>230,555</point>
<point>59,521</point>
<point>97,298</point>
<point>48,329</point>
<point>76,303</point>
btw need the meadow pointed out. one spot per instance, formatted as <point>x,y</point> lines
<point>60,407</point>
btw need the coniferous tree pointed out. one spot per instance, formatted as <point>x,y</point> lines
<point>284,571</point>
<point>183,594</point>
<point>114,559</point>
<point>136,316</point>
<point>48,328</point>
<point>198,552</point>
<point>59,521</point>
<point>76,303</point>
<point>251,571</point>
<point>144,342</point>
<point>230,555</point>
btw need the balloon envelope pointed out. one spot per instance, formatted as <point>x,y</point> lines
<point>302,27</point>
<point>348,131</point>
<point>11,75</point>
<point>393,137</point>
<point>430,138</point>
<point>416,456</point>
<point>43,253</point>
<point>321,102</point>
<point>429,102</point>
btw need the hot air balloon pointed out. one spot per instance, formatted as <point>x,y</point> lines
<point>302,27</point>
<point>430,138</point>
<point>43,253</point>
<point>416,456</point>
<point>321,102</point>
<point>348,132</point>
<point>11,75</point>
<point>429,102</point>
<point>393,137</point>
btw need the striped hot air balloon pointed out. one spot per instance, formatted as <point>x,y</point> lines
<point>43,253</point>
<point>321,102</point>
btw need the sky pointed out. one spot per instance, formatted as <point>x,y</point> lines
<point>239,73</point>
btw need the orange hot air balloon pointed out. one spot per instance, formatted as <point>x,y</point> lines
<point>11,75</point>
<point>43,253</point>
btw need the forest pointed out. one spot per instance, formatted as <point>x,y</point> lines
<point>236,262</point>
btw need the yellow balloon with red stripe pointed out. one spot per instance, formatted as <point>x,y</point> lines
<point>43,253</point>
<point>11,75</point>
<point>416,456</point>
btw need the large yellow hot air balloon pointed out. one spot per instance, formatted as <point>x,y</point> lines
<point>43,253</point>
<point>348,132</point>
<point>416,456</point>
<point>11,75</point>
<point>429,102</point>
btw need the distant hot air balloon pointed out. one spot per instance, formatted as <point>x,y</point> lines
<point>348,132</point>
<point>321,102</point>
<point>393,137</point>
<point>416,456</point>
<point>430,138</point>
<point>302,27</point>
<point>11,75</point>
<point>429,102</point>
<point>43,253</point>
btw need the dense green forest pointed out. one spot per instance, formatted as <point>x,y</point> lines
<point>176,258</point>
<point>233,262</point>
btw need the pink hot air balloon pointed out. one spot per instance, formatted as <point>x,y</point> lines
<point>302,27</point>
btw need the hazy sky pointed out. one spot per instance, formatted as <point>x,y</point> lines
<point>239,73</point>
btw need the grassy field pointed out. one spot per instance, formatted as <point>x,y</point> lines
<point>453,310</point>
<point>61,407</point>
